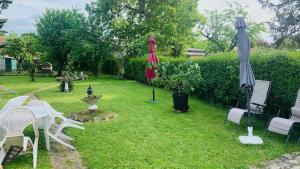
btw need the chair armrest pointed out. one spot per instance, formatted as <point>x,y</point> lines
<point>257,104</point>
<point>2,142</point>
<point>278,113</point>
<point>238,104</point>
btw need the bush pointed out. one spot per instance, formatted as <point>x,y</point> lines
<point>62,81</point>
<point>185,78</point>
<point>220,74</point>
<point>109,66</point>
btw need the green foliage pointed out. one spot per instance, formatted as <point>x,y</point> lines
<point>24,49</point>
<point>129,23</point>
<point>31,46</point>
<point>184,78</point>
<point>219,27</point>
<point>13,47</point>
<point>59,31</point>
<point>3,5</point>
<point>89,56</point>
<point>285,24</point>
<point>220,74</point>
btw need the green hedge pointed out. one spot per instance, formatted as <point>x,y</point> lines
<point>220,74</point>
<point>109,66</point>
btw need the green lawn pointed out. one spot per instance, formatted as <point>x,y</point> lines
<point>147,135</point>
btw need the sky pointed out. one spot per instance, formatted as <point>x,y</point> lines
<point>22,14</point>
<point>256,12</point>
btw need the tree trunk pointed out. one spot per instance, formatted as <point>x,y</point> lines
<point>97,70</point>
<point>59,70</point>
<point>176,50</point>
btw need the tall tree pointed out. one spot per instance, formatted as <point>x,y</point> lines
<point>58,31</point>
<point>286,23</point>
<point>13,47</point>
<point>130,22</point>
<point>219,29</point>
<point>22,48</point>
<point>31,46</point>
<point>3,5</point>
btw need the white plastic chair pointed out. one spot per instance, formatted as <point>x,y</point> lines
<point>65,122</point>
<point>13,122</point>
<point>14,102</point>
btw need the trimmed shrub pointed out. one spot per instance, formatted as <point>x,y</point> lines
<point>220,73</point>
<point>109,66</point>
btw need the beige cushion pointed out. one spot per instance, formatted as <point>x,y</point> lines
<point>235,115</point>
<point>295,113</point>
<point>280,125</point>
<point>259,95</point>
<point>297,103</point>
<point>260,92</point>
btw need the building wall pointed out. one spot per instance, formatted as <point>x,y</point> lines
<point>2,64</point>
<point>12,63</point>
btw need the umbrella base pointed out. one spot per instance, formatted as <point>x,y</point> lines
<point>250,139</point>
<point>154,101</point>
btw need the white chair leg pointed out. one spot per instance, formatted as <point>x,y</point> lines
<point>2,154</point>
<point>25,143</point>
<point>35,152</point>
<point>60,141</point>
<point>74,121</point>
<point>64,136</point>
<point>74,126</point>
<point>66,124</point>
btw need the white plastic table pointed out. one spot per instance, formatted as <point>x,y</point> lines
<point>43,120</point>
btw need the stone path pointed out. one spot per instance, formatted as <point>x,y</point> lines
<point>61,156</point>
<point>33,96</point>
<point>287,161</point>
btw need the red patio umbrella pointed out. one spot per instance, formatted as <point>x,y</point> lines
<point>152,63</point>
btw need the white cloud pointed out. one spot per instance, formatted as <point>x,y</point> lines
<point>254,8</point>
<point>256,12</point>
<point>22,14</point>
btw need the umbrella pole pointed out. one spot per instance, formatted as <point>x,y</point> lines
<point>153,91</point>
<point>250,139</point>
<point>248,107</point>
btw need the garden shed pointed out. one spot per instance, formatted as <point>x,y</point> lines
<point>7,63</point>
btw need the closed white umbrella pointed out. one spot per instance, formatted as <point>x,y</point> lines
<point>247,79</point>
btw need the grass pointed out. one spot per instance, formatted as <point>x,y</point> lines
<point>147,135</point>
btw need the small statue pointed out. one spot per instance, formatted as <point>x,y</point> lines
<point>67,87</point>
<point>82,75</point>
<point>89,90</point>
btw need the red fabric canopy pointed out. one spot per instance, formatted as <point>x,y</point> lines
<point>152,60</point>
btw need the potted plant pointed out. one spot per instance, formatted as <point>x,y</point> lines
<point>183,79</point>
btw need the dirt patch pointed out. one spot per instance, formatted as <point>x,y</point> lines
<point>97,116</point>
<point>288,161</point>
<point>32,94</point>
<point>64,158</point>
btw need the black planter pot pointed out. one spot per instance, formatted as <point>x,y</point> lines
<point>181,102</point>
